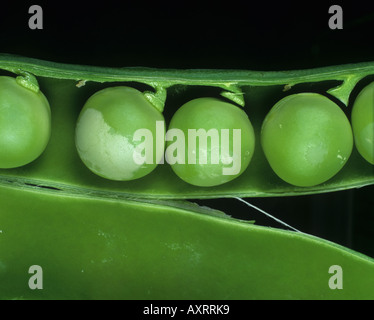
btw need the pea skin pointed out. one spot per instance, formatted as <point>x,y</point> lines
<point>197,141</point>
<point>105,131</point>
<point>363,123</point>
<point>306,138</point>
<point>232,120</point>
<point>25,122</point>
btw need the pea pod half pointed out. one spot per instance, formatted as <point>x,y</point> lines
<point>69,86</point>
<point>93,247</point>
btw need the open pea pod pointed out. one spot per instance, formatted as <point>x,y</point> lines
<point>67,88</point>
<point>101,239</point>
<point>90,246</point>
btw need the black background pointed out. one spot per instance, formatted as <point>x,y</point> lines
<point>260,35</point>
<point>257,35</point>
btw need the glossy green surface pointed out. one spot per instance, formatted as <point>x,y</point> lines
<point>106,134</point>
<point>25,124</point>
<point>92,247</point>
<point>307,139</point>
<point>363,123</point>
<point>218,141</point>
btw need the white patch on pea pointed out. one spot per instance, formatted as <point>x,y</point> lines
<point>315,154</point>
<point>110,154</point>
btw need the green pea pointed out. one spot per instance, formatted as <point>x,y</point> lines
<point>306,139</point>
<point>219,142</point>
<point>363,123</point>
<point>25,124</point>
<point>105,133</point>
